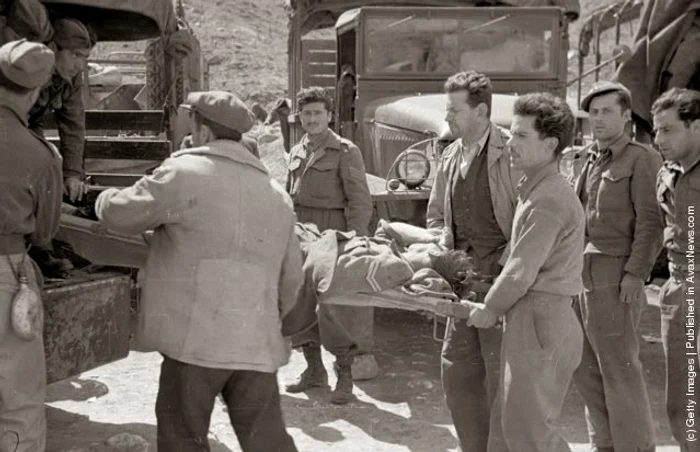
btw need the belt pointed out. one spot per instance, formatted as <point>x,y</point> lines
<point>12,244</point>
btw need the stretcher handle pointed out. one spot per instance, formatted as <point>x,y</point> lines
<point>450,310</point>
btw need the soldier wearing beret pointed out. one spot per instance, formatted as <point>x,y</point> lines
<point>30,206</point>
<point>62,95</point>
<point>623,239</point>
<point>328,185</point>
<point>224,266</point>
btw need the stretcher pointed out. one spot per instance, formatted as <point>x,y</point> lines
<point>448,307</point>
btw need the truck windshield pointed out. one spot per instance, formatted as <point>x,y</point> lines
<point>426,43</point>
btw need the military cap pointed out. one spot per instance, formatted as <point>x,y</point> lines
<point>72,34</point>
<point>27,64</point>
<point>600,88</point>
<point>222,108</point>
<point>29,19</point>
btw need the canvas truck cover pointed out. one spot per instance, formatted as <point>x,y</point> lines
<point>120,20</point>
<point>665,54</point>
<point>314,14</point>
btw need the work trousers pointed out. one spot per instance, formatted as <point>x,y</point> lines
<point>22,371</point>
<point>340,329</point>
<point>470,364</point>
<point>679,335</point>
<point>611,378</point>
<point>186,396</point>
<point>330,332</point>
<point>541,349</point>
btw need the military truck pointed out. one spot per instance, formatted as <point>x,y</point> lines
<point>387,65</point>
<point>89,314</point>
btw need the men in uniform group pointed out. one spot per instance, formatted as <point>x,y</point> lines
<point>328,185</point>
<point>676,116</point>
<point>472,203</point>
<point>30,206</point>
<point>623,240</point>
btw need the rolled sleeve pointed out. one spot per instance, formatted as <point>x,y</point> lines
<point>528,253</point>
<point>70,119</point>
<point>648,230</point>
<point>152,201</point>
<point>359,200</point>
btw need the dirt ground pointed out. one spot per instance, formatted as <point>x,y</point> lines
<point>401,410</point>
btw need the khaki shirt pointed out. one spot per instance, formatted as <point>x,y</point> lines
<point>622,216</point>
<point>331,176</point>
<point>546,248</point>
<point>678,194</point>
<point>32,186</point>
<point>65,100</point>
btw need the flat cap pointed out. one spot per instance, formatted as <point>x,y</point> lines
<point>29,19</point>
<point>72,34</point>
<point>27,64</point>
<point>222,108</point>
<point>600,88</point>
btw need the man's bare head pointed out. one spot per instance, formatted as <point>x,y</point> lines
<point>453,265</point>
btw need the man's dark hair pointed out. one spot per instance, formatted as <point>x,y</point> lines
<point>553,117</point>
<point>477,86</point>
<point>220,132</point>
<point>312,95</point>
<point>453,265</point>
<point>686,102</point>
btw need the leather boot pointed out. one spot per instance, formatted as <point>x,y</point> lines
<point>343,388</point>
<point>315,374</point>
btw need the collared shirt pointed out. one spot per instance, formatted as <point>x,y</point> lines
<point>469,151</point>
<point>502,182</point>
<point>546,248</point>
<point>330,174</point>
<point>622,216</point>
<point>678,194</point>
<point>65,99</point>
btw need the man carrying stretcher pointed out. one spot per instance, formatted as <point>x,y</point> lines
<point>340,263</point>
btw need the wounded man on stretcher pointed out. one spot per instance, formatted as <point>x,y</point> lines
<point>401,266</point>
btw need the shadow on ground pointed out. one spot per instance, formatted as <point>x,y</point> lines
<point>405,404</point>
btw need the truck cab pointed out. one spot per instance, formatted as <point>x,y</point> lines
<point>391,63</point>
<point>401,57</point>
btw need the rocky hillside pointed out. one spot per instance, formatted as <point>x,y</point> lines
<point>245,43</point>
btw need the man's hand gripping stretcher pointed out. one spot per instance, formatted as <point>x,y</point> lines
<point>401,267</point>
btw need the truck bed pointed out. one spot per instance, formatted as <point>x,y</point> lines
<point>87,322</point>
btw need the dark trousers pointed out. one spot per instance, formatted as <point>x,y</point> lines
<point>679,307</point>
<point>471,360</point>
<point>340,329</point>
<point>329,331</point>
<point>186,396</point>
<point>611,377</point>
